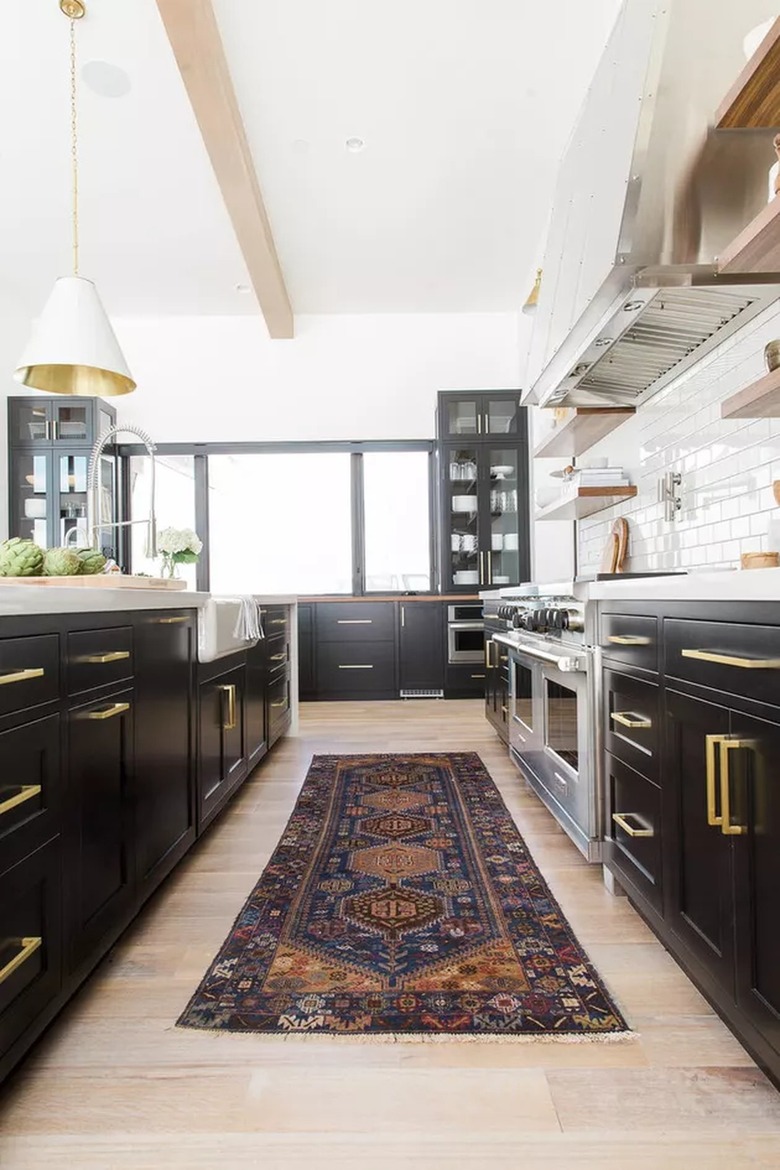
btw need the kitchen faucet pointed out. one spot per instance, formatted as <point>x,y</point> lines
<point>94,524</point>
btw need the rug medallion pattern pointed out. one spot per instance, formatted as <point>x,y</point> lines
<point>402,899</point>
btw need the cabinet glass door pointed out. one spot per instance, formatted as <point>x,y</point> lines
<point>71,515</point>
<point>71,423</point>
<point>499,416</point>
<point>463,416</point>
<point>30,496</point>
<point>31,421</point>
<point>461,518</point>
<point>503,539</point>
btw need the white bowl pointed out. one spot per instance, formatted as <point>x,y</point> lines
<point>466,577</point>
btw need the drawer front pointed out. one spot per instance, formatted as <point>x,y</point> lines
<point>99,657</point>
<point>29,672</point>
<point>356,667</point>
<point>30,940</point>
<point>632,722</point>
<point>367,621</point>
<point>738,659</point>
<point>630,640</point>
<point>29,788</point>
<point>276,620</point>
<point>278,708</point>
<point>278,654</point>
<point>634,828</point>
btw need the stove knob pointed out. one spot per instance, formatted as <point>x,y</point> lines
<point>528,621</point>
<point>556,619</point>
<point>517,620</point>
<point>540,620</point>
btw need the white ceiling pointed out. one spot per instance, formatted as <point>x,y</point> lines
<point>464,107</point>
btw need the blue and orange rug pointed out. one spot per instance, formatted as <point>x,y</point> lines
<point>402,902</point>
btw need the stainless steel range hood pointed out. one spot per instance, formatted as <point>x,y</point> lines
<point>648,196</point>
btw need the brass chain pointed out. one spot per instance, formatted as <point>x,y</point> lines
<point>74,147</point>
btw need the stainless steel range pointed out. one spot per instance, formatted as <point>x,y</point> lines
<point>554,676</point>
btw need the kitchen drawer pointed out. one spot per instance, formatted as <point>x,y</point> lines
<point>731,657</point>
<point>29,788</point>
<point>465,680</point>
<point>278,651</point>
<point>634,838</point>
<point>356,667</point>
<point>276,620</point>
<point>631,731</point>
<point>278,708</point>
<point>99,657</point>
<point>366,621</point>
<point>631,640</point>
<point>30,940</point>
<point>29,672</point>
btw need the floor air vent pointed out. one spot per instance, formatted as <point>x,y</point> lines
<point>422,694</point>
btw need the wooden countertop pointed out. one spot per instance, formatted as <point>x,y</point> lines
<point>404,597</point>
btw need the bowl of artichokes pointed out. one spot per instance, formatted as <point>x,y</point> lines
<point>23,558</point>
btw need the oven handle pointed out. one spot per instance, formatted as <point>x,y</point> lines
<point>466,625</point>
<point>576,665</point>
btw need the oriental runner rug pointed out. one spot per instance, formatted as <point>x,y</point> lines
<point>402,903</point>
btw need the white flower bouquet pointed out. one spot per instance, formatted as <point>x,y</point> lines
<point>179,546</point>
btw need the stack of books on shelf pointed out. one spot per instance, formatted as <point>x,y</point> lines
<point>599,477</point>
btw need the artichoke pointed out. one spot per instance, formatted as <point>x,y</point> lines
<point>92,561</point>
<point>61,562</point>
<point>20,558</point>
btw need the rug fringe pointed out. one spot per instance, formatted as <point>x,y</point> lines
<point>424,1037</point>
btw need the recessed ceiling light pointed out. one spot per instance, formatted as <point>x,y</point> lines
<point>354,145</point>
<point>106,79</point>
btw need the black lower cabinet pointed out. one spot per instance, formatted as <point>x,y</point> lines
<point>164,779</point>
<point>465,680</point>
<point>30,790</point>
<point>497,687</point>
<point>222,764</point>
<point>99,860</point>
<point>255,705</point>
<point>421,646</point>
<point>307,679</point>
<point>30,940</point>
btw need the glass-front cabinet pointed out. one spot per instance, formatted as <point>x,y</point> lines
<point>57,421</point>
<point>482,416</point>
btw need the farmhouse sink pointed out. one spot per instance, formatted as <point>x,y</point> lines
<point>217,622</point>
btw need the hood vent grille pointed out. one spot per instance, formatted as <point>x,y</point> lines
<point>673,325</point>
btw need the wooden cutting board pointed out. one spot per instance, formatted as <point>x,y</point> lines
<point>99,581</point>
<point>620,530</point>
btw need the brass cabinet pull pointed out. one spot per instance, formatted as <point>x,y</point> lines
<point>488,656</point>
<point>630,719</point>
<point>726,746</point>
<point>26,792</point>
<point>732,660</point>
<point>112,656</point>
<point>21,675</point>
<point>170,621</point>
<point>355,666</point>
<point>503,658</point>
<point>354,621</point>
<point>504,710</point>
<point>109,712</point>
<point>403,616</point>
<point>477,676</point>
<point>280,703</point>
<point>278,658</point>
<point>278,621</point>
<point>29,947</point>
<point>229,689</point>
<point>620,819</point>
<point>628,640</point>
<point>713,817</point>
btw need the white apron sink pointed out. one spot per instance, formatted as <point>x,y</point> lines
<point>217,622</point>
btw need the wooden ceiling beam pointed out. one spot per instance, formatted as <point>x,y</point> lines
<point>193,32</point>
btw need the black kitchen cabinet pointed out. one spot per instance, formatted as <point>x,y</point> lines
<point>421,646</point>
<point>497,686</point>
<point>30,797</point>
<point>164,779</point>
<point>55,422</point>
<point>255,709</point>
<point>222,764</point>
<point>479,416</point>
<point>307,681</point>
<point>99,855</point>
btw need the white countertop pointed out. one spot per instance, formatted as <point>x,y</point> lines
<point>21,600</point>
<point>726,585</point>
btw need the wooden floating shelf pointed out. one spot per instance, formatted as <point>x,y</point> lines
<point>577,503</point>
<point>579,433</point>
<point>759,400</point>
<point>757,248</point>
<point>753,102</point>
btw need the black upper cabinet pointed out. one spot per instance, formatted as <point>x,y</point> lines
<point>164,785</point>
<point>479,416</point>
<point>421,633</point>
<point>47,422</point>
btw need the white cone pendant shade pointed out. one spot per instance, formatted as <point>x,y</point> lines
<point>73,349</point>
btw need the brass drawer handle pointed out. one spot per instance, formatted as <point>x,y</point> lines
<point>109,712</point>
<point>278,658</point>
<point>112,656</point>
<point>503,658</point>
<point>29,947</point>
<point>630,719</point>
<point>620,819</point>
<point>21,675</point>
<point>726,746</point>
<point>281,703</point>
<point>354,621</point>
<point>26,792</point>
<point>365,666</point>
<point>628,640</point>
<point>732,660</point>
<point>713,816</point>
<point>477,676</point>
<point>229,689</point>
<point>278,622</point>
<point>170,621</point>
<point>504,710</point>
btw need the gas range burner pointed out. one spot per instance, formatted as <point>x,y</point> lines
<point>542,620</point>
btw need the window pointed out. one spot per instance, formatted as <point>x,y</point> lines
<point>174,505</point>
<point>396,493</point>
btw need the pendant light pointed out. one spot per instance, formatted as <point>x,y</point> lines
<point>533,296</point>
<point>73,349</point>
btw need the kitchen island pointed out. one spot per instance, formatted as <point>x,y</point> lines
<point>117,749</point>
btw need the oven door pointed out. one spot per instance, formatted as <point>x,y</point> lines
<point>465,642</point>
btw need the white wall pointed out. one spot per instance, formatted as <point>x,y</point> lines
<point>13,337</point>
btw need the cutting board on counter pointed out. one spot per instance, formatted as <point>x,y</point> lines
<point>99,581</point>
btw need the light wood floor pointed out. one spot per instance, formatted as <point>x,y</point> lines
<point>114,1086</point>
